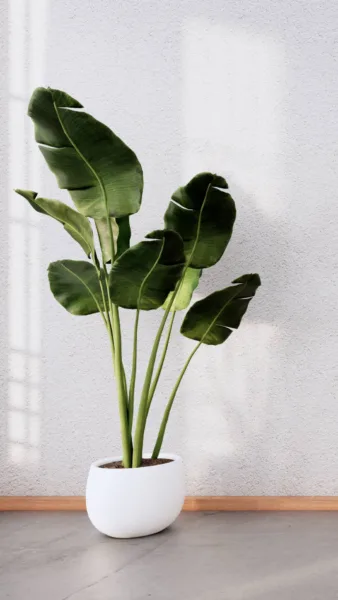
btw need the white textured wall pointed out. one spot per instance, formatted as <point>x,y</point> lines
<point>248,89</point>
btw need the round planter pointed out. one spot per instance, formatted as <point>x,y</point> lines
<point>127,503</point>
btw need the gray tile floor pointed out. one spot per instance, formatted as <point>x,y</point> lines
<point>204,556</point>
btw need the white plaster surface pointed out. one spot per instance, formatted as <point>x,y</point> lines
<point>248,89</point>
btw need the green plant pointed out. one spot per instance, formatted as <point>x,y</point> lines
<point>105,181</point>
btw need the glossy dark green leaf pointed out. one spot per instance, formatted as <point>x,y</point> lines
<point>202,210</point>
<point>213,319</point>
<point>75,286</point>
<point>75,224</point>
<point>124,235</point>
<point>186,289</point>
<point>145,274</point>
<point>101,173</point>
<point>121,234</point>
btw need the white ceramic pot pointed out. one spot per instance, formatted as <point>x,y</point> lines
<point>127,503</point>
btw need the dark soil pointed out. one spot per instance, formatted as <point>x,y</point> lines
<point>146,462</point>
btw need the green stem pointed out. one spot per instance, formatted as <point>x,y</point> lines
<point>121,391</point>
<point>119,368</point>
<point>161,363</point>
<point>160,436</point>
<point>164,422</point>
<point>107,320</point>
<point>198,230</point>
<point>114,331</point>
<point>111,323</point>
<point>143,409</point>
<point>116,338</point>
<point>133,373</point>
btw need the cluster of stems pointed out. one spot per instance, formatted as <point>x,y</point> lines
<point>132,443</point>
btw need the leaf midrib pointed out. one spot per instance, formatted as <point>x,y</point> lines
<point>76,148</point>
<point>220,312</point>
<point>149,273</point>
<point>82,281</point>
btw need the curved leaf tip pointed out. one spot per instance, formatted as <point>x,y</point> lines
<point>192,195</point>
<point>49,96</point>
<point>101,173</point>
<point>76,224</point>
<point>203,213</point>
<point>27,194</point>
<point>173,249</point>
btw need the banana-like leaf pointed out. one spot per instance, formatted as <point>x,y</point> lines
<point>213,319</point>
<point>144,275</point>
<point>75,285</point>
<point>186,290</point>
<point>124,235</point>
<point>121,234</point>
<point>102,175</point>
<point>204,211</point>
<point>75,224</point>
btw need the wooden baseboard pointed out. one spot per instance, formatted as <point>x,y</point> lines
<point>192,503</point>
<point>261,503</point>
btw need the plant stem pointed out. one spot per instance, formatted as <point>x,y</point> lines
<point>115,331</point>
<point>164,422</point>
<point>143,408</point>
<point>198,229</point>
<point>126,447</point>
<point>119,369</point>
<point>133,373</point>
<point>107,319</point>
<point>121,391</point>
<point>144,405</point>
<point>160,436</point>
<point>160,366</point>
<point>111,322</point>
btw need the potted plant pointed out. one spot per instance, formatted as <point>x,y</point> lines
<point>134,494</point>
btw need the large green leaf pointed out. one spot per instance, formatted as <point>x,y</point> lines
<point>121,234</point>
<point>186,289</point>
<point>213,319</point>
<point>204,211</point>
<point>75,286</point>
<point>145,274</point>
<point>75,224</point>
<point>101,173</point>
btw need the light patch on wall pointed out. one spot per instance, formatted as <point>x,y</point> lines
<point>232,124</point>
<point>34,399</point>
<point>232,86</point>
<point>17,426</point>
<point>17,366</point>
<point>234,396</point>
<point>27,31</point>
<point>17,277</point>
<point>243,364</point>
<point>17,395</point>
